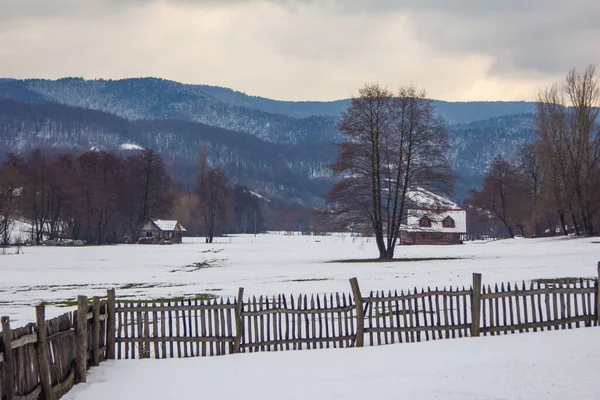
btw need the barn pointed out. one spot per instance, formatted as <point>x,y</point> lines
<point>161,231</point>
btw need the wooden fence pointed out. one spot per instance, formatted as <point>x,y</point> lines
<point>48,357</point>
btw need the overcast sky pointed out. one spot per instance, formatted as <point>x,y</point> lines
<point>307,49</point>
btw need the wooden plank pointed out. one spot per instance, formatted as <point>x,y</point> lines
<point>300,341</point>
<point>320,319</point>
<point>418,295</point>
<point>440,328</point>
<point>8,378</point>
<point>411,315</point>
<point>33,395</point>
<point>427,313</point>
<point>139,333</point>
<point>229,331</point>
<point>170,319</point>
<point>510,308</point>
<point>546,290</point>
<point>476,305</point>
<point>155,331</point>
<point>43,357</point>
<point>541,324</point>
<point>177,307</point>
<point>590,306</point>
<point>597,311</point>
<point>96,331</point>
<point>568,309</point>
<point>24,340</point>
<point>204,330</point>
<point>504,309</point>
<point>261,318</point>
<point>184,329</point>
<point>445,305</point>
<point>293,311</point>
<point>181,339</point>
<point>146,327</point>
<point>416,311</point>
<point>298,321</point>
<point>398,320</point>
<point>518,300</point>
<point>163,332</point>
<point>360,318</point>
<point>82,340</point>
<point>65,385</point>
<point>405,318</point>
<point>239,322</point>
<point>197,328</point>
<point>110,324</point>
<point>347,331</point>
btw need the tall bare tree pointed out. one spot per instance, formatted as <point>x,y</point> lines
<point>502,195</point>
<point>393,144</point>
<point>567,117</point>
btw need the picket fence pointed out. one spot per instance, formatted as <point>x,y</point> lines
<point>48,357</point>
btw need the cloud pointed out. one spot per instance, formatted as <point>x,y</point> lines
<point>306,49</point>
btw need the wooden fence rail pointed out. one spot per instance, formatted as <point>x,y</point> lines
<point>44,360</point>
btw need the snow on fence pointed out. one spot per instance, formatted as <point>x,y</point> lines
<point>48,357</point>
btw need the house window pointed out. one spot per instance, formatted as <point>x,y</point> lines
<point>448,223</point>
<point>425,222</point>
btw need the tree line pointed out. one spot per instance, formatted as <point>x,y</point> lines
<point>100,197</point>
<point>553,184</point>
<point>95,196</point>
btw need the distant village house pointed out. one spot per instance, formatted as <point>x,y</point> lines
<point>161,231</point>
<point>433,220</point>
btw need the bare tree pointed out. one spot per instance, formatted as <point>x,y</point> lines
<point>567,127</point>
<point>214,196</point>
<point>502,195</point>
<point>393,145</point>
<point>10,192</point>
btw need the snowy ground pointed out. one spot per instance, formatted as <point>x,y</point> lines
<point>543,365</point>
<point>270,264</point>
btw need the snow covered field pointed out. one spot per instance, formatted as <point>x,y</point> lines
<point>270,264</point>
<point>543,365</point>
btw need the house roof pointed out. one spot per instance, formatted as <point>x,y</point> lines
<point>424,203</point>
<point>167,224</point>
<point>436,216</point>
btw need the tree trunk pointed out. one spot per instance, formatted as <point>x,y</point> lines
<point>563,225</point>
<point>575,224</point>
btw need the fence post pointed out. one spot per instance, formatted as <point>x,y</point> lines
<point>239,323</point>
<point>8,381</point>
<point>360,315</point>
<point>42,352</point>
<point>476,305</point>
<point>96,331</point>
<point>82,340</point>
<point>598,296</point>
<point>110,324</point>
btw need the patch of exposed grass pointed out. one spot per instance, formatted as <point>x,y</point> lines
<point>199,265</point>
<point>213,251</point>
<point>130,286</point>
<point>563,281</point>
<point>379,260</point>
<point>308,280</point>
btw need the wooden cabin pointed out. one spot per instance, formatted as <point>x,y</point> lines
<point>161,231</point>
